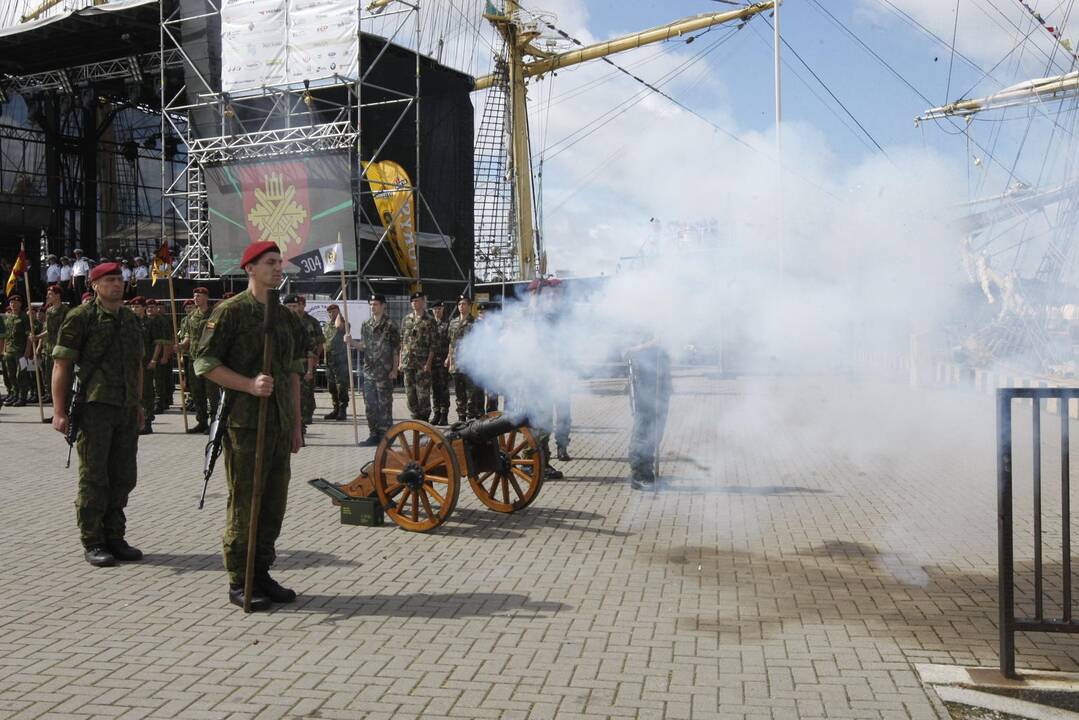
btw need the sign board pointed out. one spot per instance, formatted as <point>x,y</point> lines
<point>302,204</point>
<point>358,311</point>
<point>284,42</point>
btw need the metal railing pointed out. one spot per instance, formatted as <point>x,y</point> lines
<point>1009,623</point>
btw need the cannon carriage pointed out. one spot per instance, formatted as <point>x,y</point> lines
<point>418,469</point>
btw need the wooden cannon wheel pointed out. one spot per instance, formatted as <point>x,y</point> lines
<point>518,480</point>
<point>415,475</point>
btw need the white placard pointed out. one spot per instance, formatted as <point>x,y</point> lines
<point>284,42</point>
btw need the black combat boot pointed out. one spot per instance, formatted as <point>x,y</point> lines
<point>200,428</point>
<point>552,473</point>
<point>122,551</point>
<point>371,441</point>
<point>562,453</point>
<point>332,415</point>
<point>273,589</point>
<point>98,556</point>
<point>147,429</point>
<point>342,412</point>
<point>259,600</point>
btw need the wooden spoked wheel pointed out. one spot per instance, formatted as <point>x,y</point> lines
<point>415,475</point>
<point>517,481</point>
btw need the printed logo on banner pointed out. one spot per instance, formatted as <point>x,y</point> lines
<point>276,204</point>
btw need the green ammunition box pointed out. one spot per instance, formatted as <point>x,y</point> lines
<point>361,511</point>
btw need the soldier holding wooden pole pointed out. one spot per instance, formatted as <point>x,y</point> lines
<point>253,348</point>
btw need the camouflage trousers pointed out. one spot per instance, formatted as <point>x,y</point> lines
<point>469,397</point>
<point>163,385</point>
<point>652,394</point>
<point>148,394</point>
<point>563,420</point>
<point>107,444</point>
<point>440,388</point>
<point>204,394</point>
<point>12,381</point>
<point>337,380</point>
<point>378,399</point>
<point>238,448</point>
<point>307,399</point>
<point>418,393</point>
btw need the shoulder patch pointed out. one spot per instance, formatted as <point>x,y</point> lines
<point>210,324</point>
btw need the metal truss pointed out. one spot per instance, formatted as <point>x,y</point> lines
<point>69,80</point>
<point>268,143</point>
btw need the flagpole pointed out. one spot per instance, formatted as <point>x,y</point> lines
<point>33,343</point>
<point>348,358</point>
<point>179,350</point>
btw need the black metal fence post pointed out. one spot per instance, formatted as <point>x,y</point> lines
<point>1004,533</point>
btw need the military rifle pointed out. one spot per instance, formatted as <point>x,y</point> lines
<point>217,436</point>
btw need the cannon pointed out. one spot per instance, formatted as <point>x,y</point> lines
<point>417,470</point>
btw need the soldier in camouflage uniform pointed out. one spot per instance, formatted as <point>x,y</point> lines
<point>440,375</point>
<point>333,343</point>
<point>161,363</point>
<point>138,307</point>
<point>313,335</point>
<point>417,355</point>
<point>17,344</point>
<point>230,354</point>
<point>380,342</point>
<point>204,394</point>
<point>469,395</point>
<point>54,318</point>
<point>650,375</point>
<point>103,338</point>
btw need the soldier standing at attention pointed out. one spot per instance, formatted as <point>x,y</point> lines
<point>469,396</point>
<point>230,354</point>
<point>54,318</point>
<point>138,307</point>
<point>161,333</point>
<point>103,338</point>
<point>417,356</point>
<point>312,331</point>
<point>336,363</point>
<point>650,374</point>
<point>204,393</point>
<point>440,376</point>
<point>17,344</point>
<point>381,343</point>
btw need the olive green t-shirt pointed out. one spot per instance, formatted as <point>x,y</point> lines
<point>92,337</point>
<point>233,337</point>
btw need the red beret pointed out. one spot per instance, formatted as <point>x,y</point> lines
<point>138,300</point>
<point>151,301</point>
<point>200,291</point>
<point>256,250</point>
<point>87,296</point>
<point>189,303</point>
<point>333,306</point>
<point>227,295</point>
<point>13,298</point>
<point>104,269</point>
<point>56,289</point>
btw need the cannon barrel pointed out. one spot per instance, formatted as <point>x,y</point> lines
<point>485,429</point>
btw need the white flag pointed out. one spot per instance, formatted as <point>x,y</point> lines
<point>333,258</point>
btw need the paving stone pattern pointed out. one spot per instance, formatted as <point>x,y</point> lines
<point>812,541</point>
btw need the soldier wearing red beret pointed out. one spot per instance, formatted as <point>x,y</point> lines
<point>103,338</point>
<point>230,353</point>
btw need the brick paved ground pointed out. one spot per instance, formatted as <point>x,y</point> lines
<point>813,541</point>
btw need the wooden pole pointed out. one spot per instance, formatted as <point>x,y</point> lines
<point>33,342</point>
<point>179,352</point>
<point>260,448</point>
<point>348,359</point>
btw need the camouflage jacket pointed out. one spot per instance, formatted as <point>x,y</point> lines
<point>381,340</point>
<point>233,338</point>
<point>459,327</point>
<point>313,333</point>
<point>417,340</point>
<point>54,318</point>
<point>91,338</point>
<point>160,329</point>
<point>442,341</point>
<point>16,330</point>
<point>333,343</point>
<point>191,327</point>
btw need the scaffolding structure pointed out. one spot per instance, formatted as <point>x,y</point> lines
<point>284,120</point>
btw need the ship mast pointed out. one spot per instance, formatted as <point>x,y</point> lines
<point>525,60</point>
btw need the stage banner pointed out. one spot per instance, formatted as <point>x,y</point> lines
<point>302,204</point>
<point>284,42</point>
